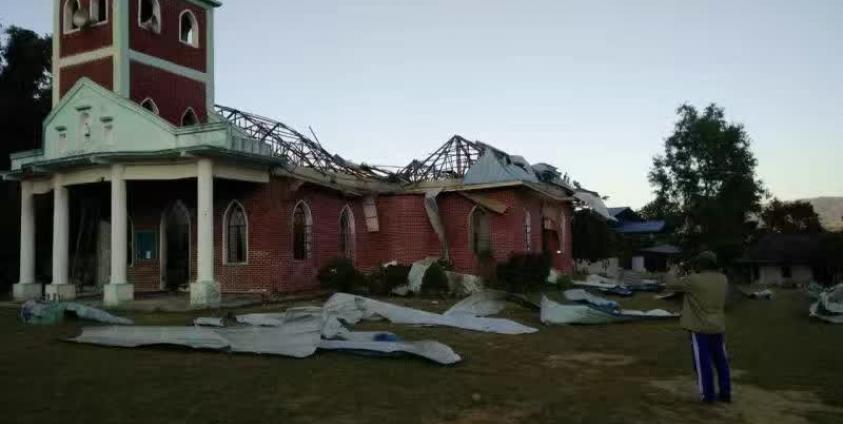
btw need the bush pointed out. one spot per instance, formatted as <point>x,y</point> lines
<point>435,281</point>
<point>341,275</point>
<point>523,273</point>
<point>385,279</point>
<point>564,282</point>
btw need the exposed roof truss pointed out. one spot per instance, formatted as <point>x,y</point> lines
<point>451,160</point>
<point>296,148</point>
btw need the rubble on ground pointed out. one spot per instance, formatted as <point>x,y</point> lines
<point>592,309</point>
<point>34,312</point>
<point>300,331</point>
<point>829,305</point>
<point>757,293</point>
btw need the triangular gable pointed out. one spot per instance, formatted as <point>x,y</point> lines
<point>92,119</point>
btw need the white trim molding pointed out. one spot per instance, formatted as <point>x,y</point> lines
<point>168,66</point>
<point>90,56</point>
<point>153,107</point>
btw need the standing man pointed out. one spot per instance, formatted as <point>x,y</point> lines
<point>704,317</point>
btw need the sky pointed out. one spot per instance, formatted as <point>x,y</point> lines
<point>589,86</point>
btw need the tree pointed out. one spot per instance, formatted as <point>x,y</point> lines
<point>790,217</point>
<point>593,239</point>
<point>25,100</point>
<point>25,89</point>
<point>705,183</point>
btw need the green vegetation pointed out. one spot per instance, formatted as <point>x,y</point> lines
<point>593,239</point>
<point>705,183</point>
<point>341,275</point>
<point>560,374</point>
<point>385,279</point>
<point>435,282</point>
<point>523,273</point>
<point>790,217</point>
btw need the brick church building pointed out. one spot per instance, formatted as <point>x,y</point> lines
<point>144,183</point>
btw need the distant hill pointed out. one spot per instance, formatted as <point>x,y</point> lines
<point>830,210</point>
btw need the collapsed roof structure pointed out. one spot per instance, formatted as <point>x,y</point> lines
<point>458,162</point>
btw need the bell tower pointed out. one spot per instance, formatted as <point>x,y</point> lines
<point>158,53</point>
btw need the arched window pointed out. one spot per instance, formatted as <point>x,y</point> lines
<point>347,233</point>
<point>99,11</point>
<point>302,231</point>
<point>70,9</point>
<point>189,118</point>
<point>236,235</point>
<point>149,15</point>
<point>480,231</point>
<point>528,231</point>
<point>150,105</point>
<point>188,29</point>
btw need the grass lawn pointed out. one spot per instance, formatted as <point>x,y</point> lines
<point>789,369</point>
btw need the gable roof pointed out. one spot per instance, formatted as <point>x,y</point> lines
<point>617,210</point>
<point>784,249</point>
<point>632,227</point>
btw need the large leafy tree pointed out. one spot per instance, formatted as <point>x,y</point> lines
<point>790,217</point>
<point>25,89</point>
<point>25,100</point>
<point>705,182</point>
<point>593,239</point>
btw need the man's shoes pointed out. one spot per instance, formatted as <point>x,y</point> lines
<point>725,399</point>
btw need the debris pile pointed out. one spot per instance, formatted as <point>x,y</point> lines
<point>34,312</point>
<point>625,286</point>
<point>591,309</point>
<point>829,305</point>
<point>299,332</point>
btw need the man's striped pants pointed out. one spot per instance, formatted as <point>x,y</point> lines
<point>710,349</point>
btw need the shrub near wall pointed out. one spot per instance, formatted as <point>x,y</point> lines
<point>341,275</point>
<point>523,273</point>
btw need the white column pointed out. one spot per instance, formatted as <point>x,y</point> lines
<point>60,289</point>
<point>205,291</point>
<point>118,291</point>
<point>26,288</point>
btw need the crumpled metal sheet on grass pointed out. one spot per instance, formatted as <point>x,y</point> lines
<point>485,303</point>
<point>428,349</point>
<point>298,341</point>
<point>352,309</point>
<point>34,312</point>
<point>556,313</point>
<point>582,296</point>
<point>829,306</point>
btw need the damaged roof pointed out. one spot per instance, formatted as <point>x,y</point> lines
<point>459,162</point>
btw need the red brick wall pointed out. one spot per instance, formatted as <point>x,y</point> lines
<point>405,233</point>
<point>167,44</point>
<point>172,93</point>
<point>100,71</point>
<point>408,236</point>
<point>92,38</point>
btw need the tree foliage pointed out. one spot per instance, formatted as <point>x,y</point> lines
<point>790,217</point>
<point>593,239</point>
<point>705,183</point>
<point>25,89</point>
<point>25,100</point>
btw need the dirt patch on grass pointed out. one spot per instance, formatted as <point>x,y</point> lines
<point>588,359</point>
<point>751,404</point>
<point>495,415</point>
